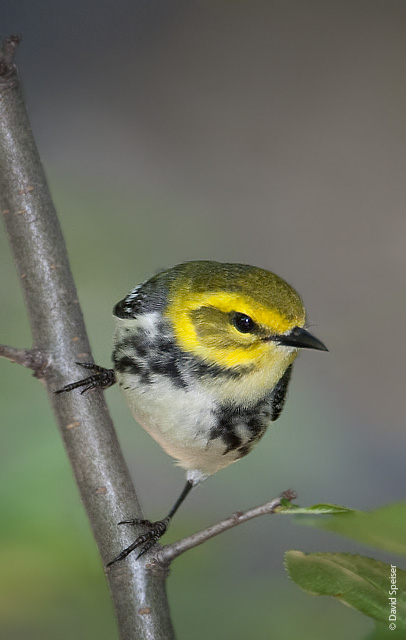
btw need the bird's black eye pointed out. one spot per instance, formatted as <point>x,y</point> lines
<point>242,322</point>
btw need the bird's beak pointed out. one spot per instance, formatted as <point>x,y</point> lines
<point>299,338</point>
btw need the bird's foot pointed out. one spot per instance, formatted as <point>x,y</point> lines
<point>146,540</point>
<point>102,378</point>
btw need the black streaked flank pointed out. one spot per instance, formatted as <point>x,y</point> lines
<point>245,449</point>
<point>255,423</point>
<point>225,431</point>
<point>240,427</point>
<point>279,394</point>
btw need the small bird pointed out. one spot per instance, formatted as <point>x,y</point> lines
<point>203,353</point>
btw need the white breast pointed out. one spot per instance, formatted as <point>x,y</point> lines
<point>180,421</point>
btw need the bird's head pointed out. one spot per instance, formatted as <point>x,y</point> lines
<point>236,316</point>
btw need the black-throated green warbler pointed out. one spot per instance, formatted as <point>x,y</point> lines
<point>203,353</point>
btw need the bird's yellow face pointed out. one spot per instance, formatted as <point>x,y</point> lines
<point>232,316</point>
<point>230,329</point>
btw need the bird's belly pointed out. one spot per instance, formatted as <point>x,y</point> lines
<point>187,424</point>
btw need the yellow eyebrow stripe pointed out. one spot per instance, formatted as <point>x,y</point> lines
<point>179,310</point>
<point>227,302</point>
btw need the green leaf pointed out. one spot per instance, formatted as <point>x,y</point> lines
<point>383,528</point>
<point>359,582</point>
<point>316,509</point>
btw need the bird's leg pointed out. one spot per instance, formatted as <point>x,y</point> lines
<point>155,529</point>
<point>101,377</point>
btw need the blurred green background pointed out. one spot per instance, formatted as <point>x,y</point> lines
<point>270,133</point>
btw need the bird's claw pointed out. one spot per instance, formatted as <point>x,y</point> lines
<point>146,540</point>
<point>102,378</point>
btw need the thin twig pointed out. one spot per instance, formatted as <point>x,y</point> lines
<point>172,551</point>
<point>31,358</point>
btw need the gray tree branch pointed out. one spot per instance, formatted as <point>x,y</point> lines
<point>59,339</point>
